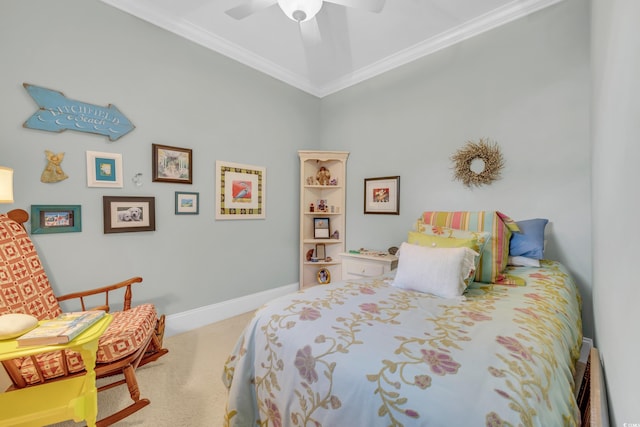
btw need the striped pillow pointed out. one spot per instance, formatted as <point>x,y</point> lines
<point>495,254</point>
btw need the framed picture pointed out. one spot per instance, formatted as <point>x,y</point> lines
<point>382,195</point>
<point>320,228</point>
<point>324,276</point>
<point>240,191</point>
<point>55,219</point>
<point>320,251</point>
<point>128,214</point>
<point>104,169</point>
<point>187,203</point>
<point>171,164</point>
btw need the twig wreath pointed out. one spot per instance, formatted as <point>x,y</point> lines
<point>484,150</point>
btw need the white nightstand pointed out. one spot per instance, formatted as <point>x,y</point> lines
<point>357,266</point>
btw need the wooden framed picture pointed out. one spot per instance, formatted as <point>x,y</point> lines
<point>104,169</point>
<point>321,253</point>
<point>382,195</point>
<point>128,214</point>
<point>171,164</point>
<point>47,219</point>
<point>240,191</point>
<point>187,203</point>
<point>320,228</point>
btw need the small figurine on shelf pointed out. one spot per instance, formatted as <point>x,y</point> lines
<point>323,176</point>
<point>335,235</point>
<point>311,208</point>
<point>311,180</point>
<point>334,181</point>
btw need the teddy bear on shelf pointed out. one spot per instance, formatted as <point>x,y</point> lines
<point>323,176</point>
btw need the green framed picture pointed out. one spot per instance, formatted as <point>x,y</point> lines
<point>187,203</point>
<point>46,219</point>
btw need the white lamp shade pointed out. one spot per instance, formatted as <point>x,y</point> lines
<point>300,10</point>
<point>6,185</point>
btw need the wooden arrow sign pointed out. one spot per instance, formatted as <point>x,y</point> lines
<point>58,113</point>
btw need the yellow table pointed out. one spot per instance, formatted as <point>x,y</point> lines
<point>74,398</point>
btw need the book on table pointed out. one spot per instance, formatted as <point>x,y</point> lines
<point>62,329</point>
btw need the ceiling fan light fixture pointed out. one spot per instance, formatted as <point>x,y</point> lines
<point>300,10</point>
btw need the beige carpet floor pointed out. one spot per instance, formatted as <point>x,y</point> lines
<point>185,386</point>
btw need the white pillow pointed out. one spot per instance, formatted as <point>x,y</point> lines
<point>15,324</point>
<point>438,271</point>
<point>523,261</point>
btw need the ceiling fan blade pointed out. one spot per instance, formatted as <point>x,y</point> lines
<point>370,5</point>
<point>310,31</point>
<point>331,58</point>
<point>248,8</point>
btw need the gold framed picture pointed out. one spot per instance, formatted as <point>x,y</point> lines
<point>324,276</point>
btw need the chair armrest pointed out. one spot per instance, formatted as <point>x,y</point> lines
<point>104,290</point>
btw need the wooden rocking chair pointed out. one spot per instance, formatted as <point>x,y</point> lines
<point>133,339</point>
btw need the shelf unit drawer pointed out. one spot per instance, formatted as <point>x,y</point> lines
<point>357,266</point>
<point>354,269</point>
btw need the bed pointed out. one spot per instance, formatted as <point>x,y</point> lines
<point>369,353</point>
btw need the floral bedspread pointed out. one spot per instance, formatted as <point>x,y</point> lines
<point>363,353</point>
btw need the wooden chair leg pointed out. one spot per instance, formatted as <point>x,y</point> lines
<point>132,383</point>
<point>134,391</point>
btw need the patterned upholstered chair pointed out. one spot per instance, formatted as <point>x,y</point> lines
<point>133,339</point>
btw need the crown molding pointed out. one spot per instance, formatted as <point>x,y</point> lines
<point>210,41</point>
<point>474,27</point>
<point>497,17</point>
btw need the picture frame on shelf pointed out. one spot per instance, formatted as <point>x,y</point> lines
<point>321,228</point>
<point>323,276</point>
<point>171,164</point>
<point>382,195</point>
<point>48,219</point>
<point>187,203</point>
<point>240,191</point>
<point>128,214</point>
<point>321,253</point>
<point>104,169</point>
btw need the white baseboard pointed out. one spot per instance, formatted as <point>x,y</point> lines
<point>201,316</point>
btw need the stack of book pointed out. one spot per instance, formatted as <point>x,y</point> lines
<point>60,330</point>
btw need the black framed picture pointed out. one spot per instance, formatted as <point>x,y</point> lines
<point>382,195</point>
<point>320,228</point>
<point>128,214</point>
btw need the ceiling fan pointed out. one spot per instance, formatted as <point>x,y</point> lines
<point>302,11</point>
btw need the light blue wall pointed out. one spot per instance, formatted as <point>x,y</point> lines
<point>525,85</point>
<point>616,149</point>
<point>176,93</point>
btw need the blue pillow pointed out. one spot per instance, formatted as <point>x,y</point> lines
<point>529,242</point>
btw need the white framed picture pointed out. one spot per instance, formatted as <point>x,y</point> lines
<point>104,169</point>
